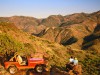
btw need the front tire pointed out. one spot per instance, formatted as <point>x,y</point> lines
<point>39,68</point>
<point>12,69</point>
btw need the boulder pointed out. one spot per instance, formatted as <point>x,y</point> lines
<point>77,69</point>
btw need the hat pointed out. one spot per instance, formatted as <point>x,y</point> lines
<point>75,58</point>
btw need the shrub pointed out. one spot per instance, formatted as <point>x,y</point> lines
<point>90,66</point>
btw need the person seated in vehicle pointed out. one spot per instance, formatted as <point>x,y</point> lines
<point>20,60</point>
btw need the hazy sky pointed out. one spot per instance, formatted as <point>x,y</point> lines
<point>44,8</point>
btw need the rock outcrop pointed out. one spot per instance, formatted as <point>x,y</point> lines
<point>74,69</point>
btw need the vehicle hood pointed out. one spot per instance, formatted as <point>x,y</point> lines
<point>36,59</point>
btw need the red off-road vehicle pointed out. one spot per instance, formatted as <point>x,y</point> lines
<point>38,64</point>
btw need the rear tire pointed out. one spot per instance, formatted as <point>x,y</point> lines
<point>12,69</point>
<point>39,68</point>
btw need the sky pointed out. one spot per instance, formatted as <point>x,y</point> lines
<point>45,8</point>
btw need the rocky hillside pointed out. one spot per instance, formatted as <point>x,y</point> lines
<point>27,24</point>
<point>57,37</point>
<point>13,40</point>
<point>72,29</point>
<point>92,41</point>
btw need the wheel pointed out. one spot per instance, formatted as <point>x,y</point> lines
<point>12,69</point>
<point>39,68</point>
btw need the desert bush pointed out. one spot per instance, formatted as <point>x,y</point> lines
<point>90,66</point>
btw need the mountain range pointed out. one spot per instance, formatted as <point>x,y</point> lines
<point>58,36</point>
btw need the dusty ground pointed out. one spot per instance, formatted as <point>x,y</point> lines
<point>77,70</point>
<point>25,72</point>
